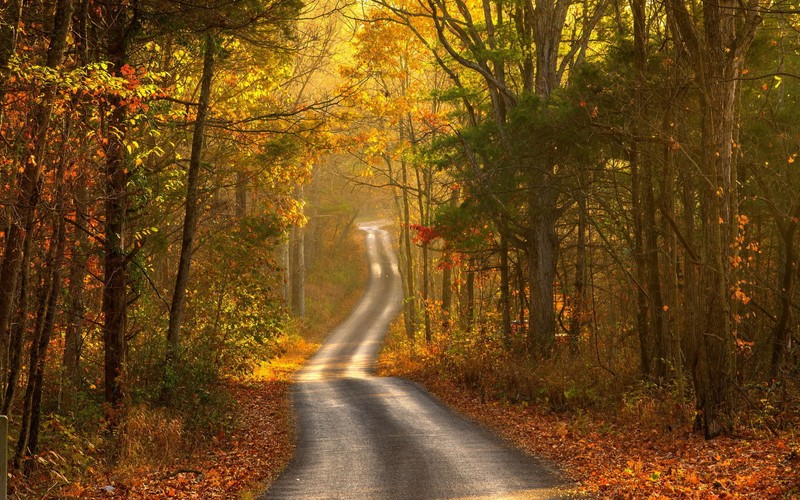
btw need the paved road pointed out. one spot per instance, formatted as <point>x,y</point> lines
<point>364,437</point>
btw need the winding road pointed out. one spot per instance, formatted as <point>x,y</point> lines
<point>365,437</point>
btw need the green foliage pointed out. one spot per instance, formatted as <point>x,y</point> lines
<point>464,226</point>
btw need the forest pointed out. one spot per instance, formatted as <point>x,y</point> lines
<point>595,205</point>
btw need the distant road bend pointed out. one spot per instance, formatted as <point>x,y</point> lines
<point>364,437</point>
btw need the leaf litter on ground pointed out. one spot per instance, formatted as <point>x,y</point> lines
<point>620,458</point>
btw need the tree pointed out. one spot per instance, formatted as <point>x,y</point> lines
<point>32,162</point>
<point>191,213</point>
<point>716,50</point>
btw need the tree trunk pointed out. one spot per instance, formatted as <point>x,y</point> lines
<point>661,360</point>
<point>642,301</point>
<point>115,262</point>
<point>75,307</point>
<point>287,266</point>
<point>543,256</point>
<point>638,189</point>
<point>782,331</point>
<point>579,307</point>
<point>410,299</point>
<point>178,304</point>
<point>469,314</point>
<point>426,293</point>
<point>669,246</point>
<point>549,18</point>
<point>447,275</point>
<point>19,327</point>
<point>298,271</point>
<point>29,425</point>
<point>447,292</point>
<point>505,291</point>
<point>715,369</point>
<point>717,51</point>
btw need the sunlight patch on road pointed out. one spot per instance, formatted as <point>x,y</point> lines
<point>524,494</point>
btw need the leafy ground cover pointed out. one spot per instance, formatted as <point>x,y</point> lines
<point>615,456</point>
<point>252,455</point>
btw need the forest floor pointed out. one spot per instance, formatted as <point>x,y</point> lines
<point>238,464</point>
<point>247,459</point>
<point>616,456</point>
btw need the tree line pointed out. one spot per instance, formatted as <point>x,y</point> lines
<point>152,158</point>
<point>610,181</point>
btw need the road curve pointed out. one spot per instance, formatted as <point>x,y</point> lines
<point>364,437</point>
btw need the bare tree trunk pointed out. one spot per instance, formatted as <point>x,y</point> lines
<point>641,189</point>
<point>661,359</point>
<point>424,190</point>
<point>667,202</point>
<point>287,266</point>
<point>80,249</point>
<point>447,292</point>
<point>178,304</point>
<point>548,18</point>
<point>426,293</point>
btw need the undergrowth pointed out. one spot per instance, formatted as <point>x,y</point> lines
<point>597,380</point>
<point>615,434</point>
<point>77,449</point>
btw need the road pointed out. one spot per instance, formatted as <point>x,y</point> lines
<point>365,437</point>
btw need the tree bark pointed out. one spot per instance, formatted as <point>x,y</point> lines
<point>549,18</point>
<point>716,51</point>
<point>75,306</point>
<point>122,22</point>
<point>642,301</point>
<point>410,299</point>
<point>505,291</point>
<point>661,360</point>
<point>543,256</point>
<point>579,306</point>
<point>298,271</point>
<point>447,292</point>
<point>19,327</point>
<point>469,306</point>
<point>782,331</point>
<point>29,426</point>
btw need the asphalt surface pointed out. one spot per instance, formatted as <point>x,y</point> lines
<point>364,437</point>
